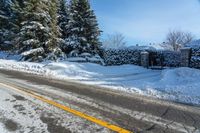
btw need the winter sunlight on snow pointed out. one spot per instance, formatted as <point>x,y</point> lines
<point>99,66</point>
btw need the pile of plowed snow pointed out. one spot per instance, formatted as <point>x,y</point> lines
<point>180,76</point>
<point>178,84</point>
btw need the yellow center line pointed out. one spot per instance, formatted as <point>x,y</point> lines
<point>68,109</point>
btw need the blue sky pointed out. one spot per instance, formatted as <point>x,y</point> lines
<point>147,21</point>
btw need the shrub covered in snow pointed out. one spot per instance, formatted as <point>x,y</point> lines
<point>195,62</point>
<point>195,53</point>
<point>121,56</point>
<point>132,56</point>
<point>195,57</point>
<point>172,59</point>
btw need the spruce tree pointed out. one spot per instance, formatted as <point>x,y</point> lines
<point>17,17</point>
<point>63,22</point>
<point>5,26</point>
<point>34,30</point>
<point>83,26</point>
<point>4,14</point>
<point>63,18</point>
<point>55,41</point>
<point>38,35</point>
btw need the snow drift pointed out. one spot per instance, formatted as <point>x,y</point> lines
<point>179,84</point>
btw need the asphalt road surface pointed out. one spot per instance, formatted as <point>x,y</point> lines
<point>132,112</point>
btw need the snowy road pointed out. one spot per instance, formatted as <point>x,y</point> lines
<point>22,113</point>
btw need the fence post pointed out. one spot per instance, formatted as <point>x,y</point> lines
<point>145,59</point>
<point>185,57</point>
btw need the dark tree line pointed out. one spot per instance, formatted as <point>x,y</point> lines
<point>48,29</point>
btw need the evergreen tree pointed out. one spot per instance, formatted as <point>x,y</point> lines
<point>5,30</point>
<point>54,42</point>
<point>63,18</point>
<point>40,26</point>
<point>63,22</point>
<point>83,26</point>
<point>17,17</point>
<point>4,14</point>
<point>34,30</point>
<point>37,38</point>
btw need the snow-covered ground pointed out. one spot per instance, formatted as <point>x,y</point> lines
<point>23,114</point>
<point>178,84</point>
<point>15,110</point>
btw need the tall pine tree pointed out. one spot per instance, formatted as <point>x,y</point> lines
<point>4,14</point>
<point>83,26</point>
<point>17,17</point>
<point>34,29</point>
<point>37,38</point>
<point>41,25</point>
<point>5,25</point>
<point>63,22</point>
<point>63,18</point>
<point>54,42</point>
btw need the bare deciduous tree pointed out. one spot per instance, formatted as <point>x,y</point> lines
<point>115,41</point>
<point>177,39</point>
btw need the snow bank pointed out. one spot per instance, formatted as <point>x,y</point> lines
<point>34,68</point>
<point>179,84</point>
<point>92,71</point>
<point>181,76</point>
<point>9,56</point>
